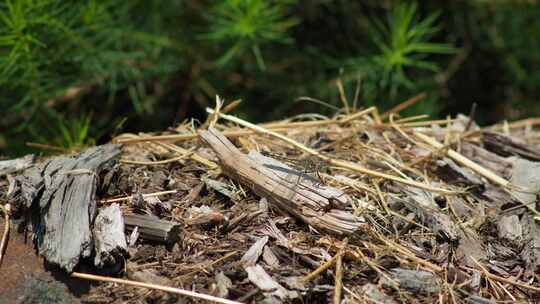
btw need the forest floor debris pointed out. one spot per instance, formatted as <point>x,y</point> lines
<point>378,208</point>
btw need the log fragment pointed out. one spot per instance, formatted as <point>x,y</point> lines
<point>153,229</point>
<point>287,189</point>
<point>60,196</point>
<point>507,146</point>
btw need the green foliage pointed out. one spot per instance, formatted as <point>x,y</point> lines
<point>403,45</point>
<point>62,133</point>
<point>75,132</point>
<point>249,24</point>
<point>150,63</point>
<point>404,42</point>
<point>48,47</point>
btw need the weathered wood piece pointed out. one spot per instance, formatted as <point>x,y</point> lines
<point>252,255</point>
<point>415,280</point>
<point>14,165</point>
<point>270,288</point>
<point>373,294</point>
<point>448,170</point>
<point>531,238</point>
<point>506,146</point>
<point>223,283</point>
<point>509,228</point>
<point>526,175</point>
<point>61,195</point>
<point>152,228</point>
<point>487,159</point>
<point>287,189</point>
<point>109,239</point>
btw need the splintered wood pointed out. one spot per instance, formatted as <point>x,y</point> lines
<point>288,189</point>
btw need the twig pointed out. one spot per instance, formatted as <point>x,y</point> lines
<point>427,123</point>
<point>5,209</point>
<point>357,115</point>
<point>411,118</point>
<point>406,252</point>
<point>315,273</point>
<point>46,147</point>
<point>402,106</point>
<point>465,161</point>
<point>342,97</point>
<point>194,156</point>
<point>153,286</point>
<point>210,264</point>
<point>127,198</point>
<point>278,127</point>
<point>472,113</point>
<point>517,124</point>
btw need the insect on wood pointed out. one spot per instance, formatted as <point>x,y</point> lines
<point>304,165</point>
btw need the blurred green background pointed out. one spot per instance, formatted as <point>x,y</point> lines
<point>74,73</point>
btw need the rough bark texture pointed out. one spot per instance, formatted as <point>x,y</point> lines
<point>154,229</point>
<point>109,238</point>
<point>289,190</point>
<point>60,193</point>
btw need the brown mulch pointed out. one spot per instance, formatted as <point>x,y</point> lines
<point>448,210</point>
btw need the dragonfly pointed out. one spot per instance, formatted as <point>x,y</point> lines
<point>305,165</point>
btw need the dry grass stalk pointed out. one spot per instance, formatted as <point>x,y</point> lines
<point>154,163</point>
<point>495,277</point>
<point>331,161</point>
<point>338,283</point>
<point>465,161</point>
<point>128,198</point>
<point>317,272</point>
<point>179,291</point>
<point>402,106</point>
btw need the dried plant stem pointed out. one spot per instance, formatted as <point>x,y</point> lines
<point>407,253</point>
<point>194,156</point>
<point>517,124</point>
<point>488,174</point>
<point>402,106</point>
<point>47,147</point>
<point>412,118</point>
<point>152,163</point>
<point>5,209</point>
<point>331,161</point>
<point>278,127</point>
<point>179,291</point>
<point>426,123</point>
<point>503,280</point>
<point>201,268</point>
<point>315,273</point>
<point>357,115</point>
<point>338,285</point>
<point>127,198</point>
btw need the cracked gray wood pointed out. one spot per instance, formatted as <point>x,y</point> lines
<point>286,189</point>
<point>60,195</point>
